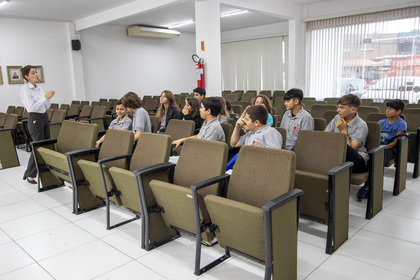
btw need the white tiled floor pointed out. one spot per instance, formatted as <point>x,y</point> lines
<point>41,239</point>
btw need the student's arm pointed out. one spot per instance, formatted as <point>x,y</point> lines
<point>394,143</point>
<point>342,126</point>
<point>137,135</point>
<point>100,141</point>
<point>308,123</point>
<point>182,140</point>
<point>234,140</point>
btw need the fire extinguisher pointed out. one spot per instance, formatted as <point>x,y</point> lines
<point>199,67</point>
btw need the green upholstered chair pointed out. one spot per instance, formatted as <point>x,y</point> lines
<point>19,112</point>
<point>324,176</point>
<point>309,103</point>
<point>10,109</point>
<point>178,129</point>
<point>320,124</point>
<point>53,106</point>
<point>73,112</point>
<point>329,115</point>
<point>380,105</point>
<point>65,107</point>
<point>150,105</point>
<point>278,94</point>
<point>227,129</point>
<point>2,119</point>
<point>224,92</point>
<point>116,143</point>
<point>249,95</point>
<point>366,101</point>
<point>56,162</point>
<point>318,110</point>
<point>50,113</point>
<point>8,155</point>
<point>305,99</point>
<point>413,127</point>
<point>283,133</point>
<point>331,100</point>
<point>244,104</point>
<point>77,102</point>
<point>364,111</point>
<point>233,96</point>
<point>102,100</point>
<point>258,218</point>
<point>98,116</point>
<point>237,109</point>
<point>171,199</point>
<point>56,120</point>
<point>85,113</point>
<point>83,103</point>
<point>266,93</point>
<point>374,174</point>
<point>154,120</point>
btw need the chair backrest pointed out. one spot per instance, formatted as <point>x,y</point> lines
<point>10,121</point>
<point>117,142</point>
<point>320,124</point>
<point>54,106</point>
<point>83,103</point>
<point>151,149</point>
<point>103,100</point>
<point>227,129</point>
<point>412,117</point>
<point>2,118</point>
<point>98,112</point>
<point>74,110</point>
<point>58,116</point>
<point>318,110</point>
<point>366,101</point>
<point>329,115</point>
<point>331,100</point>
<point>95,103</point>
<point>306,99</point>
<point>283,133</point>
<point>380,105</point>
<point>247,96</point>
<point>373,138</point>
<point>244,104</point>
<point>65,107</point>
<point>232,97</point>
<point>86,111</point>
<point>278,93</point>
<point>154,120</point>
<point>200,160</point>
<point>364,111</point>
<point>150,104</point>
<point>309,156</point>
<point>225,92</point>
<point>106,104</point>
<point>309,103</point>
<point>75,136</point>
<point>25,114</point>
<point>237,109</point>
<point>376,117</point>
<point>19,111</point>
<point>275,120</point>
<point>255,189</point>
<point>10,109</point>
<point>178,129</point>
<point>77,102</point>
<point>50,113</point>
<point>266,93</point>
<point>415,106</point>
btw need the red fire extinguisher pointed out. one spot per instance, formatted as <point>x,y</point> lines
<point>199,67</point>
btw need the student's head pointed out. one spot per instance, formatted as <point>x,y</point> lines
<point>262,99</point>
<point>199,93</point>
<point>193,106</point>
<point>30,74</point>
<point>223,109</point>
<point>347,105</point>
<point>256,117</point>
<point>167,97</point>
<point>229,107</point>
<point>131,101</point>
<point>293,97</point>
<point>394,108</point>
<point>210,106</point>
<point>120,109</point>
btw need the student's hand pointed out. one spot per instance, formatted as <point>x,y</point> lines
<point>177,143</point>
<point>341,125</point>
<point>49,94</point>
<point>97,144</point>
<point>240,123</point>
<point>244,112</point>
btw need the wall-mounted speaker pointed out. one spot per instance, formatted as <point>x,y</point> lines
<point>75,45</point>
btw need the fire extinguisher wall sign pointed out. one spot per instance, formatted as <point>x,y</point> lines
<point>199,67</point>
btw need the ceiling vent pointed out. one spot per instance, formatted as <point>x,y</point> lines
<point>151,32</point>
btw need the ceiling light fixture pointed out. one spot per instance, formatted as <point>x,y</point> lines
<point>151,32</point>
<point>234,13</point>
<point>3,3</point>
<point>180,24</point>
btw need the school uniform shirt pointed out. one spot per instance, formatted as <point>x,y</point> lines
<point>389,131</point>
<point>266,136</point>
<point>294,124</point>
<point>223,119</point>
<point>357,130</point>
<point>212,131</point>
<point>125,124</point>
<point>33,99</point>
<point>141,121</point>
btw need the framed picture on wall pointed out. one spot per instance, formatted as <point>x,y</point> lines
<point>40,71</point>
<point>13,74</point>
<point>1,77</point>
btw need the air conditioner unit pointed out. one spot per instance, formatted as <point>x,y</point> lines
<point>151,32</point>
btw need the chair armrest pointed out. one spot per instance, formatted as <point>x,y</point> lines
<point>56,123</point>
<point>100,162</point>
<point>94,119</point>
<point>224,179</point>
<point>340,168</point>
<point>70,117</point>
<point>168,166</point>
<point>6,129</point>
<point>281,200</point>
<point>82,152</point>
<point>376,149</point>
<point>43,142</point>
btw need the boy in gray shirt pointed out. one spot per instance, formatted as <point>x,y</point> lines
<point>295,118</point>
<point>141,120</point>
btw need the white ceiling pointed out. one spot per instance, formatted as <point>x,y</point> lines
<point>73,10</point>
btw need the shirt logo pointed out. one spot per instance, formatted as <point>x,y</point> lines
<point>296,128</point>
<point>350,135</point>
<point>255,142</point>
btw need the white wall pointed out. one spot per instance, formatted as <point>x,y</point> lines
<point>37,43</point>
<point>114,63</point>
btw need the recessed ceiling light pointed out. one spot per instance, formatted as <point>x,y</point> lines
<point>181,24</point>
<point>234,13</point>
<point>3,3</point>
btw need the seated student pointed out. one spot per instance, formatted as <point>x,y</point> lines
<point>167,110</point>
<point>348,122</point>
<point>191,111</point>
<point>199,93</point>
<point>261,99</point>
<point>392,126</point>
<point>141,119</point>
<point>211,129</point>
<point>229,107</point>
<point>122,121</point>
<point>295,118</point>
<point>259,131</point>
<point>223,115</point>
